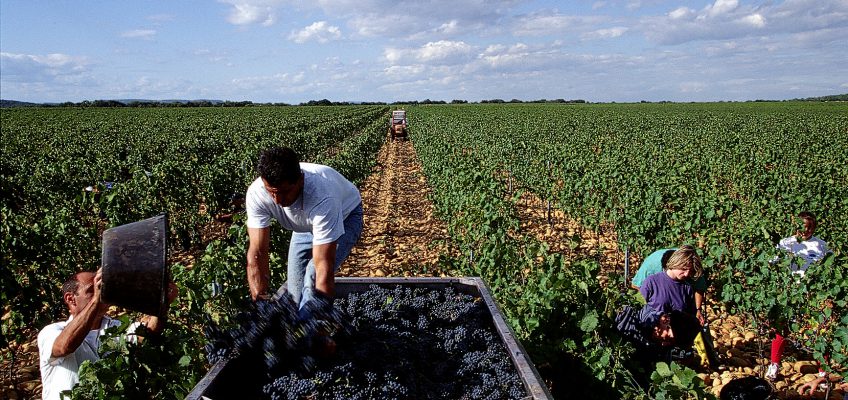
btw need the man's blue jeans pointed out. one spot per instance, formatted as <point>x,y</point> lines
<point>301,268</point>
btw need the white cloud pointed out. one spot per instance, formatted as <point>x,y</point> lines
<point>51,65</point>
<point>539,25</point>
<point>607,33</point>
<point>449,28</point>
<point>721,7</point>
<point>320,32</point>
<point>727,19</point>
<point>51,77</point>
<point>139,34</point>
<point>500,56</point>
<point>443,50</point>
<point>247,12</point>
<point>545,24</point>
<point>418,20</point>
<point>403,71</point>
<point>440,52</point>
<point>755,20</point>
<point>722,49</point>
<point>680,13</point>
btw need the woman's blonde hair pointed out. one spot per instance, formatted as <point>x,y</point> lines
<point>684,258</point>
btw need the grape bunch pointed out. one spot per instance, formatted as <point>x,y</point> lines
<point>275,331</point>
<point>218,343</point>
<point>407,343</point>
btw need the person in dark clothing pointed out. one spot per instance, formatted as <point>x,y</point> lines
<point>655,334</point>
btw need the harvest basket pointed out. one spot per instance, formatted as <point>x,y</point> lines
<point>135,271</point>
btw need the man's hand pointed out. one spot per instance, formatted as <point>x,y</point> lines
<point>173,292</point>
<point>811,386</point>
<point>102,307</point>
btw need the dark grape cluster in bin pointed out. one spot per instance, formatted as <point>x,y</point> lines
<point>399,342</point>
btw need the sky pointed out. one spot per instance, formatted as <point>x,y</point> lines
<point>286,51</point>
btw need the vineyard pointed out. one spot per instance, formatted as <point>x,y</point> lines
<point>517,188</point>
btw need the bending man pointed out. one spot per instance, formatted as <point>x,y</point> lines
<point>321,208</point>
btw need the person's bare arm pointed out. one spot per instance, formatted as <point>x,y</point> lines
<point>258,271</point>
<point>74,333</point>
<point>324,257</point>
<point>699,300</point>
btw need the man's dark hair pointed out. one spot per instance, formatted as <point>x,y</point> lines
<point>808,217</point>
<point>71,285</point>
<point>279,165</point>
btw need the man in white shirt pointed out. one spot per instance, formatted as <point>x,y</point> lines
<point>321,208</point>
<point>63,346</point>
<point>804,245</point>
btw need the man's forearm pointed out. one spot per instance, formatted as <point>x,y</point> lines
<point>258,274</point>
<point>324,280</point>
<point>324,257</point>
<point>74,333</point>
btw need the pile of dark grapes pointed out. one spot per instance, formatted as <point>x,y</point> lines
<point>273,330</point>
<point>402,342</point>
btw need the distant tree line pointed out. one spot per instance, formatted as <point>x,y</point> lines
<point>836,97</point>
<point>325,102</point>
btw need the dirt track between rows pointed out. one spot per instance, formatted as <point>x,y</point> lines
<point>401,236</point>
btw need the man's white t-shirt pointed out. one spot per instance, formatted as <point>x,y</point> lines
<point>810,250</point>
<point>327,199</point>
<point>62,373</point>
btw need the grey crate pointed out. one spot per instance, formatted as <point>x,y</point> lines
<point>239,378</point>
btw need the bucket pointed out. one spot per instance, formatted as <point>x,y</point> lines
<point>135,273</point>
<point>747,388</point>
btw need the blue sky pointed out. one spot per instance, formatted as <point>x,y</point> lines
<point>381,50</point>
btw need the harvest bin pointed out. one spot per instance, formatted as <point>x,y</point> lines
<point>241,378</point>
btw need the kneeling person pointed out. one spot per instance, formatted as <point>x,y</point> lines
<point>655,333</point>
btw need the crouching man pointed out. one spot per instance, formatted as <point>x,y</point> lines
<point>64,346</point>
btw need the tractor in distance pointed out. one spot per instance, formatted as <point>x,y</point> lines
<point>397,125</point>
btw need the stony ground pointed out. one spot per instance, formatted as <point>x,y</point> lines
<point>402,237</point>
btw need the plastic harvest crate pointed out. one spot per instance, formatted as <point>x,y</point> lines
<point>239,378</point>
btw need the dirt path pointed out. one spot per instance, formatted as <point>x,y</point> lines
<point>567,237</point>
<point>401,236</point>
